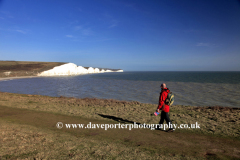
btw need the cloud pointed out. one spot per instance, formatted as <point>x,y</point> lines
<point>114,24</point>
<point>76,28</point>
<point>6,14</point>
<point>83,30</point>
<point>79,9</point>
<point>87,32</point>
<point>14,30</point>
<point>20,31</point>
<point>69,36</point>
<point>203,44</point>
<point>131,6</point>
<point>192,31</point>
<point>109,20</point>
<point>197,31</point>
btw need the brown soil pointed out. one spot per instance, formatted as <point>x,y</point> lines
<point>217,138</point>
<point>25,68</point>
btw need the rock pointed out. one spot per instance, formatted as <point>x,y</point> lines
<point>72,69</point>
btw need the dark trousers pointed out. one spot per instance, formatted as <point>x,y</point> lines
<point>164,116</point>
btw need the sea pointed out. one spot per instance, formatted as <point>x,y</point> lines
<point>189,88</point>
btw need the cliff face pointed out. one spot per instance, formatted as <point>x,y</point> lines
<point>72,69</point>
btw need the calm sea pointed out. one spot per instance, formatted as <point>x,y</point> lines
<point>190,88</point>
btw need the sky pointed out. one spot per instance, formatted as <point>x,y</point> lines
<point>133,35</point>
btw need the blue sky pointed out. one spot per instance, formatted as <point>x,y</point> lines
<point>134,35</point>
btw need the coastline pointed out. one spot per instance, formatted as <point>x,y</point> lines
<point>186,93</point>
<point>28,129</point>
<point>89,107</point>
<point>19,77</point>
<point>27,69</point>
<point>30,122</point>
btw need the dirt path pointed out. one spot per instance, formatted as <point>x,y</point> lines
<point>185,144</point>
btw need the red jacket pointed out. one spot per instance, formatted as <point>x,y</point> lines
<point>162,98</point>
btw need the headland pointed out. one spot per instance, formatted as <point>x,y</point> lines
<point>26,69</point>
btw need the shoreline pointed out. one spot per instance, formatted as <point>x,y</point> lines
<point>215,107</point>
<point>72,104</point>
<point>22,77</point>
<point>202,106</point>
<point>30,121</point>
<point>19,77</point>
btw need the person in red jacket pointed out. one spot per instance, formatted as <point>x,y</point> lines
<point>164,107</point>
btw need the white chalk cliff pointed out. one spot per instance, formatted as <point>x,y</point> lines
<point>72,69</point>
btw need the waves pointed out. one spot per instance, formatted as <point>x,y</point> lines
<point>186,93</point>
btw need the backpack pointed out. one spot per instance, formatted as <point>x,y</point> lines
<point>170,99</point>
